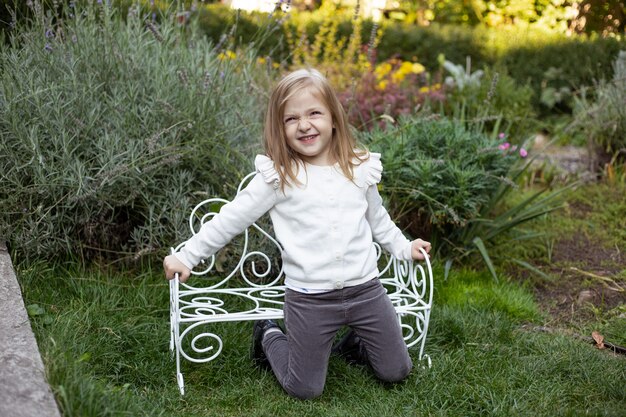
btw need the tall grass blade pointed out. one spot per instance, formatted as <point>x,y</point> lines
<point>483,251</point>
<point>532,268</point>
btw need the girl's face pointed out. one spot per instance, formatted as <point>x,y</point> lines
<point>308,125</point>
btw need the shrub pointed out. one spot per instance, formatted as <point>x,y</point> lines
<point>491,100</point>
<point>578,61</point>
<point>108,127</point>
<point>445,182</point>
<point>438,174</point>
<point>394,88</point>
<point>265,33</point>
<point>219,23</point>
<point>425,44</point>
<point>341,58</point>
<point>603,119</point>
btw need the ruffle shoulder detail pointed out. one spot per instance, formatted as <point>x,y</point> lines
<point>265,166</point>
<point>372,169</point>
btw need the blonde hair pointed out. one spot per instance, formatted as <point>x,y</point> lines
<point>343,143</point>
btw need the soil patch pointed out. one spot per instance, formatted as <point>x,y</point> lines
<point>586,281</point>
<point>589,278</point>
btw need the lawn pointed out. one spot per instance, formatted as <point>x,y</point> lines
<point>104,339</point>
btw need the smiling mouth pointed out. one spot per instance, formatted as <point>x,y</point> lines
<point>308,138</point>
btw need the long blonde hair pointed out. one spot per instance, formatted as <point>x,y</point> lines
<point>343,146</point>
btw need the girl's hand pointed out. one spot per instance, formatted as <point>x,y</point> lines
<point>415,249</point>
<point>172,266</point>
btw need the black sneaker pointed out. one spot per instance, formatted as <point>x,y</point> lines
<point>258,330</point>
<point>351,349</point>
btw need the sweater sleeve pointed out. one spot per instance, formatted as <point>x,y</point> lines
<point>250,203</point>
<point>384,230</point>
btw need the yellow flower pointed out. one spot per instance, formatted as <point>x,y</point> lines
<point>433,87</point>
<point>417,68</point>
<point>401,73</point>
<point>382,70</point>
<point>406,67</point>
<point>382,85</point>
<point>226,55</point>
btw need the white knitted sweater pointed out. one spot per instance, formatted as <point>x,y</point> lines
<point>326,226</point>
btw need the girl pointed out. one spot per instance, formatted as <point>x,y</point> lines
<point>321,194</point>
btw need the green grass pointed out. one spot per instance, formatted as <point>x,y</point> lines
<point>104,339</point>
<point>596,212</point>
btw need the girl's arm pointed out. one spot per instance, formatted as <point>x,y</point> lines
<point>384,230</point>
<point>234,217</point>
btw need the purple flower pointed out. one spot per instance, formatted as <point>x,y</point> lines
<point>504,146</point>
<point>48,47</point>
<point>49,33</point>
<point>523,153</point>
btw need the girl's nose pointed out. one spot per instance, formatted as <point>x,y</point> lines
<point>304,124</point>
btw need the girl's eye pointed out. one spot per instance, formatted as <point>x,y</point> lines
<point>316,113</point>
<point>289,120</point>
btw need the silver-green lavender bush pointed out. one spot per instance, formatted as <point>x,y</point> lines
<point>112,127</point>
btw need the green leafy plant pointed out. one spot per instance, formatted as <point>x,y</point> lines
<point>446,183</point>
<point>555,93</point>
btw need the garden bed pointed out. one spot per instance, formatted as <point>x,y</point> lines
<point>578,292</point>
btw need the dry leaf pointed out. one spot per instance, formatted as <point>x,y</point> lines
<point>599,339</point>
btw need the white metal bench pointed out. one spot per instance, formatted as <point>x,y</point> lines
<point>231,288</point>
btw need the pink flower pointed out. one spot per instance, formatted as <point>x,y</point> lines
<point>523,153</point>
<point>504,146</point>
<point>501,135</point>
<point>514,148</point>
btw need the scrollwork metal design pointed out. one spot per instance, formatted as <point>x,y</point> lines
<point>211,337</point>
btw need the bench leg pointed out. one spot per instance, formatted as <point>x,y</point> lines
<point>179,377</point>
<point>175,331</point>
<point>425,333</point>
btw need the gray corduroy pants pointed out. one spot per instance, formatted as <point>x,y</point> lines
<point>300,357</point>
